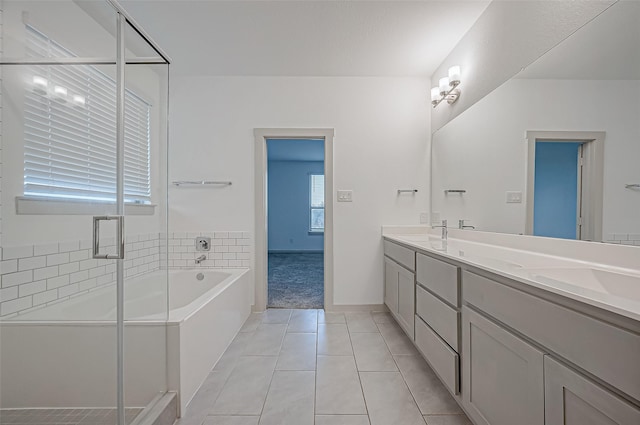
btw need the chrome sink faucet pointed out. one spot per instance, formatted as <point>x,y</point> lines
<point>461,225</point>
<point>201,258</point>
<point>444,229</point>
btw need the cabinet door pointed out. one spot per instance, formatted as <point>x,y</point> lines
<point>572,399</point>
<point>406,300</point>
<point>502,376</point>
<point>391,285</point>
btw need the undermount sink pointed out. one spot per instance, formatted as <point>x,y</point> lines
<point>618,284</point>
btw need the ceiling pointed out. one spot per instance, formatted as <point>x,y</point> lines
<point>604,49</point>
<point>295,150</point>
<point>306,38</point>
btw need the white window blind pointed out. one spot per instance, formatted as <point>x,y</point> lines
<point>70,132</point>
<point>316,203</point>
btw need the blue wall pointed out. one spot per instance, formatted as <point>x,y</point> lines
<point>288,202</point>
<point>556,189</point>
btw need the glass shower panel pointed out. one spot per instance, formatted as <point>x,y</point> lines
<point>85,28</point>
<point>146,280</point>
<point>60,232</point>
<point>138,48</point>
<point>57,303</point>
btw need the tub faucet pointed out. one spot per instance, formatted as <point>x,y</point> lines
<point>461,225</point>
<point>444,229</point>
<point>201,258</point>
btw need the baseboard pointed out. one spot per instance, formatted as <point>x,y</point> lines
<point>378,308</point>
<point>296,251</point>
<point>374,308</point>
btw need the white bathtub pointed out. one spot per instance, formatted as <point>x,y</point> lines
<point>63,355</point>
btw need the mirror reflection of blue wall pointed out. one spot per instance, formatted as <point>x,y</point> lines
<point>556,189</point>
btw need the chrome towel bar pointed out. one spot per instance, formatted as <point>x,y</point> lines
<point>200,183</point>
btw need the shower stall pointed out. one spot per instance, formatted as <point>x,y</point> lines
<point>83,214</point>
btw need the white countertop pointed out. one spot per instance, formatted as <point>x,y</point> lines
<point>607,286</point>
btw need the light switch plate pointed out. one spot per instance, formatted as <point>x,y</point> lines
<point>514,197</point>
<point>345,196</point>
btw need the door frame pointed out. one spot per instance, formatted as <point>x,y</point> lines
<point>592,177</point>
<point>261,207</point>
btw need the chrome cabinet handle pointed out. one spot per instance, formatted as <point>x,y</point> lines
<point>119,255</point>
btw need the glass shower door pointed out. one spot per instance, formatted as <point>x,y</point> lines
<point>73,140</point>
<point>57,302</point>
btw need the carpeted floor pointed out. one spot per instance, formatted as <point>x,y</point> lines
<point>296,281</point>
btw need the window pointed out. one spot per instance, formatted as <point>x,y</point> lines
<point>70,132</point>
<point>316,206</point>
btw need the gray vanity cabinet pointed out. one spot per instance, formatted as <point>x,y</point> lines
<point>406,301</point>
<point>502,375</point>
<point>572,399</point>
<point>391,285</point>
<point>399,284</point>
<point>510,354</point>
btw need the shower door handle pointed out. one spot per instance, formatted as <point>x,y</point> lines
<point>119,255</point>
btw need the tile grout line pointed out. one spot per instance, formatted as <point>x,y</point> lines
<point>264,403</point>
<point>364,399</point>
<point>400,371</point>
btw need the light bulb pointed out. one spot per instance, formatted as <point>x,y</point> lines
<point>79,100</point>
<point>435,94</point>
<point>454,75</point>
<point>40,84</point>
<point>443,84</point>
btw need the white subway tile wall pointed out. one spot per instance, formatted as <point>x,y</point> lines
<point>227,250</point>
<point>624,238</point>
<point>38,275</point>
<point>33,276</point>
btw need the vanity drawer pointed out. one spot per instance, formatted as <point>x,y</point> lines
<point>608,352</point>
<point>439,277</point>
<point>400,254</point>
<point>443,360</point>
<point>439,316</point>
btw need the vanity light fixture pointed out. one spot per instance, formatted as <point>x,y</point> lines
<point>447,88</point>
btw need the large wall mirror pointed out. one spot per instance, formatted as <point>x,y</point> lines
<point>555,151</point>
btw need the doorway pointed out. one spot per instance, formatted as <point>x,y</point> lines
<point>262,224</point>
<point>557,211</point>
<point>564,185</point>
<point>295,223</point>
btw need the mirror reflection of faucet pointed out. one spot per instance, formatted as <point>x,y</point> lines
<point>445,232</point>
<point>462,226</point>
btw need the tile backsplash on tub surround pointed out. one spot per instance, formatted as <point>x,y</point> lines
<point>624,238</point>
<point>229,249</point>
<point>32,276</point>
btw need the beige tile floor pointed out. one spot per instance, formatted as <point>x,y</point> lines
<point>306,367</point>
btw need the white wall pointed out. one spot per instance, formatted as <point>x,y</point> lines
<point>381,145</point>
<point>484,150</point>
<point>507,37</point>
